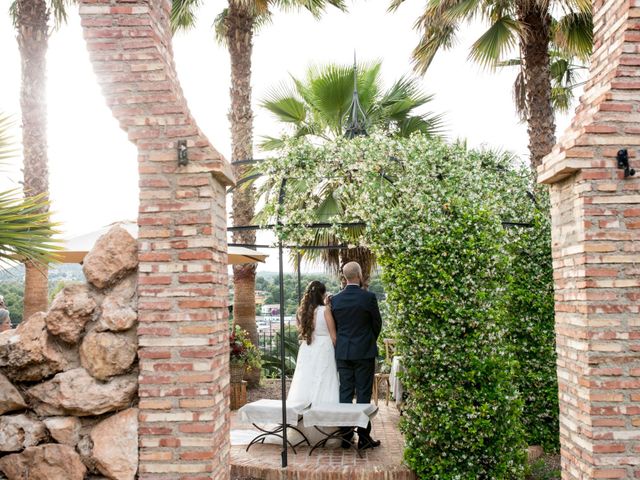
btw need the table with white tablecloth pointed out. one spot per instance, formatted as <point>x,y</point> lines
<point>347,416</point>
<point>394,379</point>
<point>267,411</point>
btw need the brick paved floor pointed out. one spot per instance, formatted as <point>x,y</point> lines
<point>383,463</point>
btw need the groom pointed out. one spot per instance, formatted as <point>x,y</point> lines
<point>358,324</point>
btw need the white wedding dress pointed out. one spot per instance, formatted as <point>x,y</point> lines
<point>315,379</point>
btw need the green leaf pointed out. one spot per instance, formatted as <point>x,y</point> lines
<point>495,43</point>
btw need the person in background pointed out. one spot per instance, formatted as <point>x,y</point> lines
<point>5,320</point>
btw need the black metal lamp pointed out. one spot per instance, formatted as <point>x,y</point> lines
<point>623,162</point>
<point>356,120</point>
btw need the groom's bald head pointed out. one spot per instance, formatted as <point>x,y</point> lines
<point>352,272</point>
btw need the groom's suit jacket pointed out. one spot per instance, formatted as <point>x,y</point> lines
<point>358,323</point>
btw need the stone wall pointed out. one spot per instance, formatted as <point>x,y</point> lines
<point>69,376</point>
<point>596,250</point>
<point>182,288</point>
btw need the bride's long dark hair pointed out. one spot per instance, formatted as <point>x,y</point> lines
<point>313,297</point>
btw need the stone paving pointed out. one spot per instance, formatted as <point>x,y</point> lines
<point>384,463</point>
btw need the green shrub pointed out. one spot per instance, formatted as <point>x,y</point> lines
<point>462,418</point>
<point>531,312</point>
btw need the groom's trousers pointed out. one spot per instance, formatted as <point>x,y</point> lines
<point>356,378</point>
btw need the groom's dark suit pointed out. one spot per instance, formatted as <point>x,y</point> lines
<point>358,324</point>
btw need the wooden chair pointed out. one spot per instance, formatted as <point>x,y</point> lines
<point>383,378</point>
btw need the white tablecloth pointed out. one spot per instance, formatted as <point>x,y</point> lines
<point>270,411</point>
<point>339,415</point>
<point>394,380</point>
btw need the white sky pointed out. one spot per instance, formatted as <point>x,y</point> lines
<point>93,174</point>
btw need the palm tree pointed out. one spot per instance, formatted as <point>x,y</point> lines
<point>320,107</point>
<point>235,26</point>
<point>31,20</point>
<point>527,24</point>
<point>25,229</point>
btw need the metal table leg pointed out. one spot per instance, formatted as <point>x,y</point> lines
<point>277,432</point>
<point>336,434</point>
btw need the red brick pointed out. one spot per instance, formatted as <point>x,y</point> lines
<point>196,278</point>
<point>170,442</point>
<point>204,455</point>
<point>616,107</point>
<point>196,427</point>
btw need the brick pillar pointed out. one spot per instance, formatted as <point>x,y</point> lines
<point>596,250</point>
<point>184,381</point>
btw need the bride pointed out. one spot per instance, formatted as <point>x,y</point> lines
<point>315,379</point>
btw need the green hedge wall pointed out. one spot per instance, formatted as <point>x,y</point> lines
<point>530,304</point>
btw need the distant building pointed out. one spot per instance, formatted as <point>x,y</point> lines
<point>261,296</point>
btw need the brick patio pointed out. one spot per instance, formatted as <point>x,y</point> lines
<point>385,462</point>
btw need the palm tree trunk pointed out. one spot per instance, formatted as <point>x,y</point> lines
<point>535,50</point>
<point>240,43</point>
<point>33,41</point>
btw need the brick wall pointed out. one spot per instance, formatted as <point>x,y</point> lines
<point>184,414</point>
<point>596,249</point>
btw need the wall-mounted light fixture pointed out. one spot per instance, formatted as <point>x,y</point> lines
<point>623,162</point>
<point>182,153</point>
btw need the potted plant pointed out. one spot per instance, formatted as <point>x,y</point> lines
<point>243,354</point>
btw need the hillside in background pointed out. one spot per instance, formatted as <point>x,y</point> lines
<point>267,286</point>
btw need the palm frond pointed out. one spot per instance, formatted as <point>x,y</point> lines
<point>13,12</point>
<point>315,7</point>
<point>561,98</point>
<point>220,27</point>
<point>430,125</point>
<point>495,43</point>
<point>574,34</point>
<point>8,148</point>
<point>183,14</point>
<point>394,5</point>
<point>268,143</point>
<point>59,10</point>
<point>437,34</point>
<point>262,20</point>
<point>520,96</point>
<point>404,96</point>
<point>584,6</point>
<point>458,10</point>
<point>283,101</point>
<point>26,230</point>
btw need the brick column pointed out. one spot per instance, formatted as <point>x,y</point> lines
<point>182,291</point>
<point>596,250</point>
